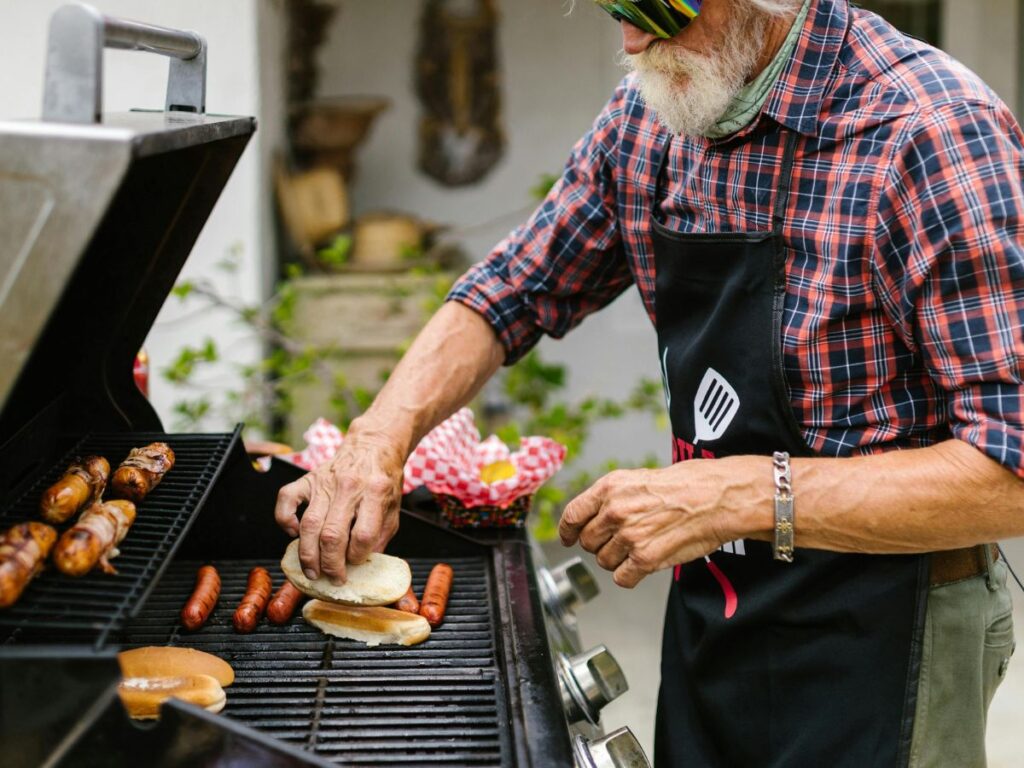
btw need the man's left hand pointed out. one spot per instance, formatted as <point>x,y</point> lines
<point>638,521</point>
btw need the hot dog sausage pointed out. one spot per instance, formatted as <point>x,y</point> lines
<point>435,594</point>
<point>408,602</point>
<point>204,597</point>
<point>257,593</point>
<point>94,538</point>
<point>23,548</point>
<point>82,483</point>
<point>282,606</point>
<point>142,471</point>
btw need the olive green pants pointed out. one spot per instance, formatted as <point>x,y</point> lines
<point>968,641</point>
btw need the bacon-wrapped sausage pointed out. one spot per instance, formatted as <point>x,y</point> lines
<point>23,549</point>
<point>82,483</point>
<point>282,605</point>
<point>142,471</point>
<point>94,538</point>
<point>435,593</point>
<point>204,597</point>
<point>257,593</point>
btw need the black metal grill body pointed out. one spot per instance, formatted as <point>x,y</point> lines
<point>481,691</point>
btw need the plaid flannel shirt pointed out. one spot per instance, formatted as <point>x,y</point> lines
<point>905,252</point>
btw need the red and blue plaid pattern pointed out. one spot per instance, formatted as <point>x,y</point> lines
<point>905,271</point>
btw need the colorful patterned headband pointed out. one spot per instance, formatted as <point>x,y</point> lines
<point>664,18</point>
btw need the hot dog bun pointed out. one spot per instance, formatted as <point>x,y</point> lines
<point>142,696</point>
<point>372,625</point>
<point>381,580</point>
<point>158,661</point>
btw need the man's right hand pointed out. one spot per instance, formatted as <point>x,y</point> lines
<point>353,499</point>
<point>352,506</point>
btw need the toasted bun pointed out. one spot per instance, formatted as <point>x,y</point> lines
<point>372,625</point>
<point>266,448</point>
<point>158,661</point>
<point>142,696</point>
<point>381,580</point>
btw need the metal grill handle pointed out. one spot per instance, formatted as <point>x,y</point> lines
<point>73,91</point>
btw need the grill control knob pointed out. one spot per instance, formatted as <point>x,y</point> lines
<point>568,586</point>
<point>589,680</point>
<point>619,749</point>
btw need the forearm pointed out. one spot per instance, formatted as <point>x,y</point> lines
<point>942,497</point>
<point>447,364</point>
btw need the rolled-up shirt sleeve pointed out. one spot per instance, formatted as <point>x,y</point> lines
<point>949,267</point>
<point>566,261</point>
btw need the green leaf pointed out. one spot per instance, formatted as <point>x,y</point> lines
<point>544,184</point>
<point>184,365</point>
<point>183,289</point>
<point>338,251</point>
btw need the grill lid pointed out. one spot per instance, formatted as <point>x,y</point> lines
<point>99,215</point>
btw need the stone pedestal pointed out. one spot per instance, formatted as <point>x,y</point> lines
<point>366,320</point>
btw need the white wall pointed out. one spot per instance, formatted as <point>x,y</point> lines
<point>985,35</point>
<point>557,71</point>
<point>139,80</point>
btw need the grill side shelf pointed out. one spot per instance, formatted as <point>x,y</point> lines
<point>90,609</point>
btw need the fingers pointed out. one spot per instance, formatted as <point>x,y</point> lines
<point>579,512</point>
<point>366,532</point>
<point>352,511</point>
<point>309,529</point>
<point>289,499</point>
<point>379,504</point>
<point>334,536</point>
<point>629,574</point>
<point>611,555</point>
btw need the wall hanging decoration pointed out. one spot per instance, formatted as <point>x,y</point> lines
<point>457,81</point>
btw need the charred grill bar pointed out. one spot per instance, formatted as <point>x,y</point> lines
<point>98,218</point>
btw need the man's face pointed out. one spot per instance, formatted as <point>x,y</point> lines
<point>690,79</point>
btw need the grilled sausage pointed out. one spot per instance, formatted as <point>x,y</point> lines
<point>23,548</point>
<point>257,593</point>
<point>142,471</point>
<point>93,540</point>
<point>408,602</point>
<point>435,594</point>
<point>82,483</point>
<point>200,605</point>
<point>282,606</point>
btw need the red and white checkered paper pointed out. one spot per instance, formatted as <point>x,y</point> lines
<point>449,459</point>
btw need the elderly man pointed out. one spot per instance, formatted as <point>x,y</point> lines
<point>823,219</point>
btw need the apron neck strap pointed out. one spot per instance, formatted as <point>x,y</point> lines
<point>785,182</point>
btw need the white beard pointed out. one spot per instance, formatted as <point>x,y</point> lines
<point>689,92</point>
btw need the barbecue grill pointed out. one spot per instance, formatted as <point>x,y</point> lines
<point>99,214</point>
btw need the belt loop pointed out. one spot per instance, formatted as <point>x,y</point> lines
<point>989,580</point>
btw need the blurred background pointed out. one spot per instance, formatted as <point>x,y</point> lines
<point>398,142</point>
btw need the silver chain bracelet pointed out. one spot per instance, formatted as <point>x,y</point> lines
<point>783,542</point>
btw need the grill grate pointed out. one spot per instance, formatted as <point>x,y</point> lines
<point>438,703</point>
<point>59,608</point>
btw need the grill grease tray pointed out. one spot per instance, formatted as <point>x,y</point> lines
<point>438,703</point>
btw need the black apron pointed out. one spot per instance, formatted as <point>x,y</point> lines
<point>767,664</point>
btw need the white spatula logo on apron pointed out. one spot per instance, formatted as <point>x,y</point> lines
<point>714,407</point>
